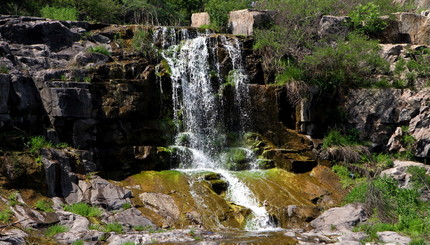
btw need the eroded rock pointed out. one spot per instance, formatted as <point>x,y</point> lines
<point>245,21</point>
<point>340,218</point>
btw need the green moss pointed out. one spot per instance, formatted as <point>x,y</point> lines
<point>99,49</point>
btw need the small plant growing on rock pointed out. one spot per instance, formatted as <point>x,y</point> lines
<point>83,209</point>
<point>366,18</point>
<point>126,205</point>
<point>56,229</point>
<point>36,143</point>
<point>5,215</point>
<point>114,227</point>
<point>4,69</point>
<point>78,242</point>
<point>141,228</point>
<point>44,206</point>
<point>13,199</point>
<point>99,49</point>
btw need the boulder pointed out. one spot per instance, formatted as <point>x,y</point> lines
<point>162,204</point>
<point>200,19</point>
<point>28,217</point>
<point>131,217</point>
<point>245,21</point>
<point>330,25</point>
<point>391,237</point>
<point>400,173</point>
<point>14,237</point>
<point>108,195</point>
<point>74,222</point>
<point>89,59</point>
<point>38,31</point>
<point>340,218</point>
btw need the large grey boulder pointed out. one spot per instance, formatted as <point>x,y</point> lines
<point>340,218</point>
<point>130,217</point>
<point>200,19</point>
<point>108,195</point>
<point>74,222</point>
<point>391,237</point>
<point>400,173</point>
<point>245,21</point>
<point>31,218</point>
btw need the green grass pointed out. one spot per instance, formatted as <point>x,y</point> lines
<point>59,13</point>
<point>13,199</point>
<point>126,205</point>
<point>83,209</point>
<point>4,69</point>
<point>114,227</point>
<point>44,206</point>
<point>55,229</point>
<point>78,242</point>
<point>5,215</point>
<point>142,228</point>
<point>99,49</point>
<point>337,138</point>
<point>128,243</point>
<point>36,143</point>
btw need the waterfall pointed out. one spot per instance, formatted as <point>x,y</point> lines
<point>203,115</point>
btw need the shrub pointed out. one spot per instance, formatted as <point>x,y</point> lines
<point>44,206</point>
<point>5,215</point>
<point>351,63</point>
<point>59,13</point>
<point>346,177</point>
<point>367,19</point>
<point>142,43</point>
<point>419,177</point>
<point>83,209</point>
<point>36,143</point>
<point>219,9</point>
<point>99,49</point>
<point>55,229</point>
<point>114,227</point>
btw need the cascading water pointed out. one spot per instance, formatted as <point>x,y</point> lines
<point>204,117</point>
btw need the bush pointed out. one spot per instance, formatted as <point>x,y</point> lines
<point>350,64</point>
<point>36,143</point>
<point>99,49</point>
<point>83,209</point>
<point>59,13</point>
<point>219,9</point>
<point>56,229</point>
<point>142,43</point>
<point>367,19</point>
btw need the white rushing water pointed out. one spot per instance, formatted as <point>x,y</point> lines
<point>203,116</point>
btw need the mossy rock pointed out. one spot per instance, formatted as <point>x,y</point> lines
<point>265,163</point>
<point>212,176</point>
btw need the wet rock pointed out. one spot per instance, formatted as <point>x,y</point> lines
<point>246,20</point>
<point>213,176</point>
<point>108,195</point>
<point>52,33</point>
<point>340,218</point>
<point>393,237</point>
<point>219,186</point>
<point>334,26</point>
<point>131,217</point>
<point>199,19</point>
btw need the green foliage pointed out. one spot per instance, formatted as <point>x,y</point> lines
<point>55,229</point>
<point>350,63</point>
<point>337,138</point>
<point>347,178</point>
<point>83,209</point>
<point>36,143</point>
<point>219,9</point>
<point>367,19</point>
<point>4,70</point>
<point>419,177</point>
<point>44,206</point>
<point>5,215</point>
<point>126,205</point>
<point>59,13</point>
<point>142,228</point>
<point>78,242</point>
<point>99,49</point>
<point>128,243</point>
<point>142,42</point>
<point>13,199</point>
<point>114,227</point>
